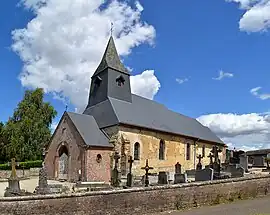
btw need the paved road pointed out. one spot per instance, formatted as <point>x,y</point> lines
<point>260,206</point>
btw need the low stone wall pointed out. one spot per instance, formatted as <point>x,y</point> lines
<point>4,174</point>
<point>138,201</point>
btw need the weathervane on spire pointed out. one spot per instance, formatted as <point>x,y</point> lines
<point>111,28</point>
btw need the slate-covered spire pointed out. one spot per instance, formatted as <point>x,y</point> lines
<point>111,60</point>
<point>111,79</point>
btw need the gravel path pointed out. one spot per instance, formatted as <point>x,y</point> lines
<point>28,185</point>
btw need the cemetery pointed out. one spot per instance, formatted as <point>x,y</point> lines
<point>236,166</point>
<point>234,179</point>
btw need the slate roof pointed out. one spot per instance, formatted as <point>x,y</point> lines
<point>146,113</point>
<point>111,59</point>
<point>89,130</point>
<point>258,152</point>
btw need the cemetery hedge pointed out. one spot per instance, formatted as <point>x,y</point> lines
<point>23,165</point>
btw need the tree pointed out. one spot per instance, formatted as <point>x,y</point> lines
<point>28,130</point>
<point>3,143</point>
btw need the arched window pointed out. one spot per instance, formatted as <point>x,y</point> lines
<point>203,150</point>
<point>188,151</point>
<point>161,150</point>
<point>137,151</point>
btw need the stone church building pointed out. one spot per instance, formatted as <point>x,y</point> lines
<point>82,145</point>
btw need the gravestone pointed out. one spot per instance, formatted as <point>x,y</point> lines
<point>191,173</point>
<point>204,175</point>
<point>162,178</point>
<point>115,173</point>
<point>244,161</point>
<point>13,181</point>
<point>210,156</point>
<point>43,187</point>
<point>180,178</point>
<point>236,171</point>
<point>258,161</point>
<point>199,165</point>
<point>153,179</point>
<point>170,177</point>
<point>146,168</point>
<point>216,164</point>
<point>129,175</point>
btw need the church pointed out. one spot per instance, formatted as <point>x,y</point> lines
<point>115,120</point>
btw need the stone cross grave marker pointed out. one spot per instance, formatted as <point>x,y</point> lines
<point>13,181</point>
<point>199,165</point>
<point>147,168</point>
<point>115,173</point>
<point>215,150</point>
<point>210,156</point>
<point>13,168</point>
<point>216,165</point>
<point>178,177</point>
<point>129,175</point>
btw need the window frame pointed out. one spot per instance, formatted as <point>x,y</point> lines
<point>137,151</point>
<point>162,148</point>
<point>188,151</point>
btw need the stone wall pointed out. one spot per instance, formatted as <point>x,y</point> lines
<point>66,135</point>
<point>98,170</point>
<point>4,174</point>
<point>175,150</point>
<point>138,201</point>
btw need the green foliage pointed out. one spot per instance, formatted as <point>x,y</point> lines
<point>27,132</point>
<point>3,143</point>
<point>23,165</point>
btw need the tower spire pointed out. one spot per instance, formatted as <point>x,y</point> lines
<point>111,59</point>
<point>111,29</point>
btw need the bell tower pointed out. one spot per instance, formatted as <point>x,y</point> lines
<point>111,79</point>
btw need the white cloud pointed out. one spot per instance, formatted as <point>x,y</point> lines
<point>257,15</point>
<point>246,131</point>
<point>63,45</point>
<point>139,6</point>
<point>262,96</point>
<point>145,84</point>
<point>223,75</point>
<point>181,81</point>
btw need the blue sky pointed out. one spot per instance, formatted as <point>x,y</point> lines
<point>175,54</point>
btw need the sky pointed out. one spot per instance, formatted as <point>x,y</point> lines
<point>205,59</point>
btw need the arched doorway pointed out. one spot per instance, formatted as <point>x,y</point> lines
<point>63,163</point>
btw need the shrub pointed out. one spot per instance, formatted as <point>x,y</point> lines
<point>23,165</point>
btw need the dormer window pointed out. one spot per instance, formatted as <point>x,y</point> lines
<point>120,81</point>
<point>97,81</point>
